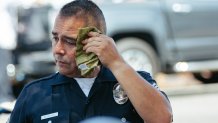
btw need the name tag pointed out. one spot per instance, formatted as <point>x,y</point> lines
<point>43,117</point>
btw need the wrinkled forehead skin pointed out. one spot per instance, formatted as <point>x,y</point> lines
<point>86,19</point>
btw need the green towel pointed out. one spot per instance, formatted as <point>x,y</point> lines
<point>86,62</point>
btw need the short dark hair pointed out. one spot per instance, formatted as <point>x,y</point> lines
<point>85,8</point>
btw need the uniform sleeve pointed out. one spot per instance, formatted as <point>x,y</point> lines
<point>148,77</point>
<point>18,114</point>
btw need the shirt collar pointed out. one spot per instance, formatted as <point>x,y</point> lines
<point>61,79</point>
<point>105,75</point>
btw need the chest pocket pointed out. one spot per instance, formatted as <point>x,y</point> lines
<point>55,117</point>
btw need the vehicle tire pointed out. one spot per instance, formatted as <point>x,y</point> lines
<point>207,77</point>
<point>139,54</point>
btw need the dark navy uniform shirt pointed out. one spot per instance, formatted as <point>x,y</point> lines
<point>59,99</point>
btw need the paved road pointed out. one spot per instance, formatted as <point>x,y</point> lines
<point>195,108</point>
<point>4,118</point>
<point>192,101</point>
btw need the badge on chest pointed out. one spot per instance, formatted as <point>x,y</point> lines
<point>119,94</point>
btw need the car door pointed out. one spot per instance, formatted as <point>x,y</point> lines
<point>194,25</point>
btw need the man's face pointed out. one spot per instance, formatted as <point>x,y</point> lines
<point>64,44</point>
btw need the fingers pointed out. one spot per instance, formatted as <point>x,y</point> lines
<point>92,39</point>
<point>100,45</point>
<point>93,43</point>
<point>94,50</point>
<point>94,34</point>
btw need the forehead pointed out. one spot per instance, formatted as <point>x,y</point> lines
<point>68,24</point>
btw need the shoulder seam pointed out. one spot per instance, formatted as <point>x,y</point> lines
<point>39,80</point>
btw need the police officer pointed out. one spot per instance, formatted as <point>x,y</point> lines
<point>113,89</point>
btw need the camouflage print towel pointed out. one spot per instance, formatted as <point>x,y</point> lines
<point>86,62</point>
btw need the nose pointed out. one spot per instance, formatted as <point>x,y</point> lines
<point>58,48</point>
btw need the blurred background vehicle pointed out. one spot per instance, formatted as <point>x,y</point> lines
<point>32,56</point>
<point>158,36</point>
<point>165,36</point>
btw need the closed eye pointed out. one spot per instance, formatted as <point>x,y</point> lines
<point>70,41</point>
<point>54,37</point>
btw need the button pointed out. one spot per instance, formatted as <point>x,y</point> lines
<point>49,121</point>
<point>123,119</point>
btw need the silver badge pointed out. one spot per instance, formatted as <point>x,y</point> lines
<point>119,94</point>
